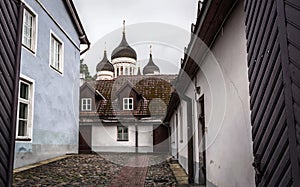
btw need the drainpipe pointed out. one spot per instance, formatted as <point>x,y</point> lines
<point>86,49</point>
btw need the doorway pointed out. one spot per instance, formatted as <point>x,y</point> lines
<point>85,139</point>
<point>201,141</point>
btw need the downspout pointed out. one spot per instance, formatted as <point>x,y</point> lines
<point>88,46</point>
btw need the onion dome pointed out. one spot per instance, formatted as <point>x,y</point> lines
<point>151,68</point>
<point>104,64</point>
<point>124,50</point>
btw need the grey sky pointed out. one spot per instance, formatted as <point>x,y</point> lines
<point>102,20</point>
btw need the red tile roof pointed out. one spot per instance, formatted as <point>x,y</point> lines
<point>156,91</point>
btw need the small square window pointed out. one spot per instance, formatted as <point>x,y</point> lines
<point>122,133</point>
<point>86,104</point>
<point>56,54</point>
<point>127,103</point>
<point>29,30</point>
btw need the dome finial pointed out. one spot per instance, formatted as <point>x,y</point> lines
<point>123,26</point>
<point>104,46</point>
<point>151,49</point>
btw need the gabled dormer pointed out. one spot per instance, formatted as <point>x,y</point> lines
<point>89,97</point>
<point>129,97</point>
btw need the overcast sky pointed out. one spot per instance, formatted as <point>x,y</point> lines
<point>165,24</point>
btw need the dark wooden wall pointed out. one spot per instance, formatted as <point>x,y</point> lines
<point>11,12</point>
<point>273,43</point>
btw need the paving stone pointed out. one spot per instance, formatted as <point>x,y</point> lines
<point>103,169</point>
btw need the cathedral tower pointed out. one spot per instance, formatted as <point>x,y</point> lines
<point>124,58</point>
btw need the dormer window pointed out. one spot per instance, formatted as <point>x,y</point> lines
<point>86,104</point>
<point>127,103</point>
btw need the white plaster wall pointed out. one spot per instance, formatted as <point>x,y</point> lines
<point>224,84</point>
<point>104,139</point>
<point>174,136</point>
<point>227,112</point>
<point>145,135</point>
<point>182,144</point>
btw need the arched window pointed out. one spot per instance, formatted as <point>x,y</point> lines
<point>126,71</point>
<point>118,71</point>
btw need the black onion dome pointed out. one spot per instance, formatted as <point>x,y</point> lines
<point>105,65</point>
<point>150,68</point>
<point>124,50</point>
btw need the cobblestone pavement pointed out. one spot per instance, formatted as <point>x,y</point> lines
<point>123,169</point>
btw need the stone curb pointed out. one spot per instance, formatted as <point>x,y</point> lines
<point>180,174</point>
<point>17,170</point>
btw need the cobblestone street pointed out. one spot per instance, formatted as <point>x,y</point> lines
<point>101,170</point>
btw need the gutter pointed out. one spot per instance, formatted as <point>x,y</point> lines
<point>86,49</point>
<point>82,35</point>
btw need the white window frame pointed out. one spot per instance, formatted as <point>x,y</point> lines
<point>30,103</point>
<point>34,32</point>
<point>60,68</point>
<point>123,137</point>
<point>84,107</point>
<point>181,125</point>
<point>126,103</point>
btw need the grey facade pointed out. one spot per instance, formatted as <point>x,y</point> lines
<point>54,94</point>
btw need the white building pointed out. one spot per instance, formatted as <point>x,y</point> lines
<point>209,114</point>
<point>122,110</point>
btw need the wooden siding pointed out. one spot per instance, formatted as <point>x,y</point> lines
<point>11,12</point>
<point>273,46</point>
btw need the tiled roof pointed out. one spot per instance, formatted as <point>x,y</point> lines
<point>156,91</point>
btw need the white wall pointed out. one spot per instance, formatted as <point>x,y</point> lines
<point>224,84</point>
<point>145,138</point>
<point>229,145</point>
<point>104,139</point>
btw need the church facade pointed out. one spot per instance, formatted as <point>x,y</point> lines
<point>122,111</point>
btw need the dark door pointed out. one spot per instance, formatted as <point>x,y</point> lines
<point>85,139</point>
<point>201,141</point>
<point>160,139</point>
<point>11,12</point>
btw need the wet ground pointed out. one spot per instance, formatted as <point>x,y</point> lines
<point>103,169</point>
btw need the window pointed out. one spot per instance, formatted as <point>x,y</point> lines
<point>126,71</point>
<point>86,104</point>
<point>56,54</point>
<point>181,125</point>
<point>122,133</point>
<point>127,103</point>
<point>24,123</point>
<point>29,30</point>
